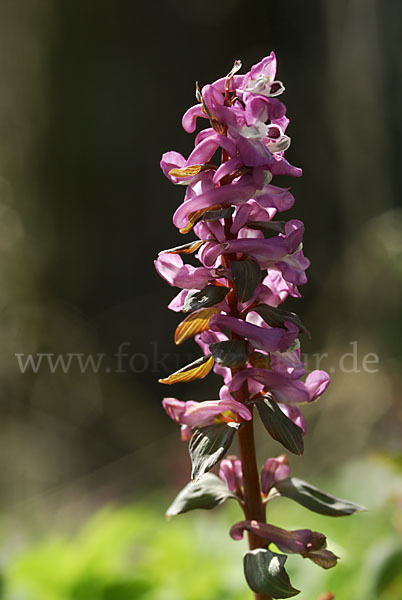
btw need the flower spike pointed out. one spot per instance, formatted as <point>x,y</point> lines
<point>250,261</point>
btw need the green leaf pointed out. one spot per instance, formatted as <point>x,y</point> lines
<point>232,353</point>
<point>276,317</point>
<point>279,426</point>
<point>215,215</point>
<point>246,277</point>
<point>208,445</point>
<point>265,573</point>
<point>206,493</point>
<point>268,227</point>
<point>208,296</point>
<point>314,499</point>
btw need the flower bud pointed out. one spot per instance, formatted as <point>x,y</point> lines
<point>274,469</point>
<point>231,471</point>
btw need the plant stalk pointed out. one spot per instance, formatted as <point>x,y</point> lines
<point>254,509</point>
<point>253,505</point>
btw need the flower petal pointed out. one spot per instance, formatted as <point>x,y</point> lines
<point>269,339</point>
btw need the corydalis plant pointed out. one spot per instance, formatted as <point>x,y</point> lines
<point>250,264</point>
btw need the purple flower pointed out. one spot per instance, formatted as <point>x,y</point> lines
<point>316,383</point>
<point>272,196</point>
<point>247,214</point>
<point>293,268</point>
<point>299,541</point>
<point>288,364</point>
<point>176,273</point>
<point>284,389</point>
<point>261,76</point>
<point>230,471</point>
<point>178,301</point>
<point>278,287</point>
<point>254,153</point>
<point>204,151</point>
<point>189,120</point>
<point>172,160</point>
<point>281,251</point>
<point>275,469</point>
<point>227,168</point>
<point>235,193</point>
<point>270,339</point>
<point>260,108</point>
<point>198,414</point>
<point>230,204</point>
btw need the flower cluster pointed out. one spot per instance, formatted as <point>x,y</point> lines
<point>231,208</point>
<point>250,263</point>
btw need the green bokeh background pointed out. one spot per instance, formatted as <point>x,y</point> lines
<point>91,95</point>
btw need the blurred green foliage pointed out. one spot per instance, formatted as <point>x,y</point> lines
<point>134,553</point>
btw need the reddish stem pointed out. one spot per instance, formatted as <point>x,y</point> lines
<point>253,507</point>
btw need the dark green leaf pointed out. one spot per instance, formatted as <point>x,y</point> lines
<point>246,277</point>
<point>267,226</point>
<point>265,574</point>
<point>208,296</point>
<point>206,493</point>
<point>215,215</point>
<point>276,317</point>
<point>314,499</point>
<point>232,353</point>
<point>279,426</point>
<point>208,445</point>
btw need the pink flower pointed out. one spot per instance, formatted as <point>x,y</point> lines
<point>270,339</point>
<point>230,471</point>
<point>199,414</point>
<point>284,389</point>
<point>231,206</point>
<point>275,469</point>
<point>176,273</point>
<point>235,193</point>
<point>299,541</point>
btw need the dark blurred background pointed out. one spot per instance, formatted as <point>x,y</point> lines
<point>92,94</point>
